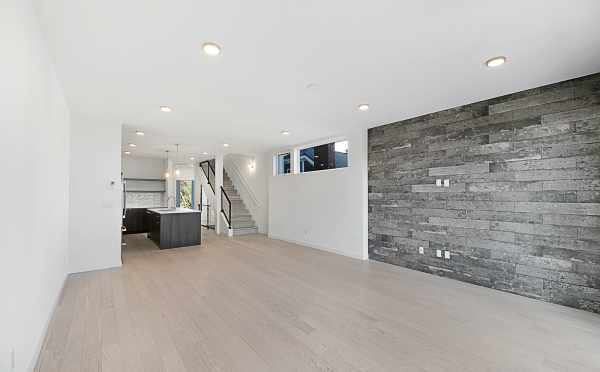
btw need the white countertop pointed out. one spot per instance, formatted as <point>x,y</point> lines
<point>173,210</point>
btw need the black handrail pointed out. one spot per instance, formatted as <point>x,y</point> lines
<point>201,206</point>
<point>228,214</point>
<point>202,166</point>
<point>209,172</point>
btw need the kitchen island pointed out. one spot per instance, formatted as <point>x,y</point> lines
<point>173,227</point>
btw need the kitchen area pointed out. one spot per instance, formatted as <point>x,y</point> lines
<point>159,202</point>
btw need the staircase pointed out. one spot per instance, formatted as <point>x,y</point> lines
<point>241,220</point>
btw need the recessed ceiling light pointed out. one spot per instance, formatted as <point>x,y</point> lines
<point>132,145</point>
<point>363,107</point>
<point>225,145</point>
<point>192,158</point>
<point>496,61</point>
<point>205,153</point>
<point>211,49</point>
<point>285,132</point>
<point>165,109</point>
<point>139,133</point>
<point>127,153</point>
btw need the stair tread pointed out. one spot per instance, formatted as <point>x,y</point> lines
<point>241,219</point>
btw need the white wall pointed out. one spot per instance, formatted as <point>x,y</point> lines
<point>252,184</point>
<point>139,167</point>
<point>95,208</point>
<point>324,209</point>
<point>34,146</point>
<point>186,173</point>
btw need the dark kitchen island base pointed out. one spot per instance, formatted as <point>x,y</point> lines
<point>172,228</point>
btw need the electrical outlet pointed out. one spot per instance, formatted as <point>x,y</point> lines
<point>438,182</point>
<point>447,255</point>
<point>421,250</point>
<point>438,253</point>
<point>446,183</point>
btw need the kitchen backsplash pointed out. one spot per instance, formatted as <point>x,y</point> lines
<point>145,199</point>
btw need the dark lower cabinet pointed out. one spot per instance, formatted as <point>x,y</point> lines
<point>152,221</point>
<point>135,220</point>
<point>172,230</point>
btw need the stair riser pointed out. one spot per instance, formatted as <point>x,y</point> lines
<point>237,232</point>
<point>244,226</point>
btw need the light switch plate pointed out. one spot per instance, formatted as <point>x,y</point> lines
<point>438,253</point>
<point>438,182</point>
<point>446,183</point>
<point>447,255</point>
<point>421,250</point>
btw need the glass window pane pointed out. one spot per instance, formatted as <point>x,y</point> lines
<point>185,194</point>
<point>307,160</point>
<point>284,164</point>
<point>341,154</point>
<point>328,156</point>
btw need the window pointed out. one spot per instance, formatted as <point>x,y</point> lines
<point>185,194</point>
<point>328,156</point>
<point>284,163</point>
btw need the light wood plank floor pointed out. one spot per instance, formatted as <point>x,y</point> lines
<point>254,304</point>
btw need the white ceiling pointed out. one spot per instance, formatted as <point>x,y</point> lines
<point>119,60</point>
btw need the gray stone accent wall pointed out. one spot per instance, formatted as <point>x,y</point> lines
<point>522,211</point>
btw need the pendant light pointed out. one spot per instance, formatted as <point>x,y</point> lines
<point>177,172</point>
<point>167,175</point>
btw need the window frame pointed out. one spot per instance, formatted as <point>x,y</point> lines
<point>322,143</point>
<point>295,156</point>
<point>276,162</point>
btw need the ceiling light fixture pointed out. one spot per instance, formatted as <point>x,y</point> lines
<point>496,61</point>
<point>205,153</point>
<point>285,132</point>
<point>165,109</point>
<point>364,107</point>
<point>177,172</point>
<point>167,175</point>
<point>127,152</point>
<point>225,145</point>
<point>132,145</point>
<point>139,133</point>
<point>211,49</point>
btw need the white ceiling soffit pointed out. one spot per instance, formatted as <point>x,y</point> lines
<point>303,66</point>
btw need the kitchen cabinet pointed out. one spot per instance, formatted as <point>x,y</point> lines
<point>152,222</point>
<point>171,228</point>
<point>135,220</point>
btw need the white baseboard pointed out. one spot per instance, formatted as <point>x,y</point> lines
<point>42,339</point>
<point>114,265</point>
<point>321,248</point>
